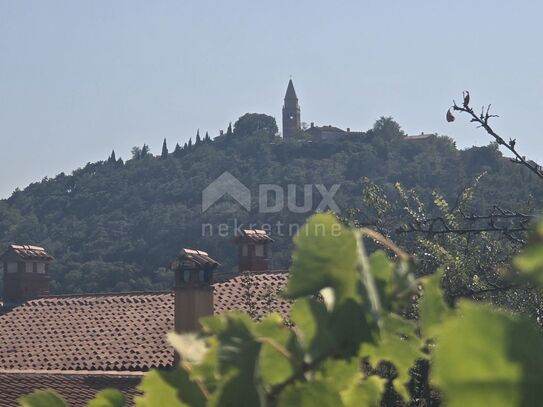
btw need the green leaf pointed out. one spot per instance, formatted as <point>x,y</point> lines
<point>206,370</point>
<point>486,357</point>
<point>169,388</point>
<point>340,373</point>
<point>310,394</point>
<point>432,307</point>
<point>237,357</point>
<point>530,261</point>
<point>189,346</point>
<point>338,333</point>
<point>349,328</point>
<point>311,320</point>
<point>366,393</point>
<point>394,281</point>
<point>107,398</point>
<point>382,270</point>
<point>42,398</point>
<point>399,345</point>
<point>325,256</point>
<point>276,354</point>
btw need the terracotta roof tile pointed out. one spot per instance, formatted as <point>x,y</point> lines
<point>122,332</point>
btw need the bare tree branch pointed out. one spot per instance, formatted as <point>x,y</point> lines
<point>483,120</point>
<point>498,220</point>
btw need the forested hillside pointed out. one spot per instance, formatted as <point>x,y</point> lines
<point>114,225</point>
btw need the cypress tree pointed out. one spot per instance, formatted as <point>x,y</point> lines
<point>145,151</point>
<point>112,157</point>
<point>185,146</point>
<point>177,151</point>
<point>190,143</point>
<point>164,150</point>
<point>207,138</point>
<point>198,139</point>
<point>229,130</point>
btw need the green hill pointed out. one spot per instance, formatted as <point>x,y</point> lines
<point>114,226</point>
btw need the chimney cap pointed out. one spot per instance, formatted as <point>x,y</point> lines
<point>28,252</point>
<point>254,236</point>
<point>198,258</point>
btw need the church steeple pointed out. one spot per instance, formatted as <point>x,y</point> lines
<point>291,112</point>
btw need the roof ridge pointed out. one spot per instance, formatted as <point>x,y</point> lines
<point>73,372</point>
<point>102,294</point>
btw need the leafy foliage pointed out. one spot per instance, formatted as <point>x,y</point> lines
<point>42,398</point>
<point>342,349</point>
<point>114,225</point>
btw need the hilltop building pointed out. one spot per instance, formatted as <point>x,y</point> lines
<point>81,344</point>
<point>292,123</point>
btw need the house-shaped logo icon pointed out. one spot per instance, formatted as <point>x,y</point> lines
<point>226,184</point>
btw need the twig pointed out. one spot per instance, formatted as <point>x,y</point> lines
<point>483,120</point>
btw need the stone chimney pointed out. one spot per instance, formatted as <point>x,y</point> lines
<point>193,288</point>
<point>254,250</point>
<point>26,273</point>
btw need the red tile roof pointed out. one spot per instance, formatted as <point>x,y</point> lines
<point>121,332</point>
<point>75,388</point>
<point>28,252</point>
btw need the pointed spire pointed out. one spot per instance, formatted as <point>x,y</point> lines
<point>291,93</point>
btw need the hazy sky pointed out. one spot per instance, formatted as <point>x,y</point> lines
<point>80,78</point>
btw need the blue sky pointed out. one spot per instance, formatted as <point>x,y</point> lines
<point>80,78</point>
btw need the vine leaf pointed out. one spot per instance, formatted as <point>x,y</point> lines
<point>310,394</point>
<point>488,357</point>
<point>42,398</point>
<point>325,256</point>
<point>399,345</point>
<point>276,357</point>
<point>432,307</point>
<point>169,388</point>
<point>366,393</point>
<point>107,398</point>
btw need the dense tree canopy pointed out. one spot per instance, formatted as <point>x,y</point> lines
<point>251,124</point>
<point>116,226</point>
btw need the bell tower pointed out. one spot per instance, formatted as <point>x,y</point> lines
<point>291,113</point>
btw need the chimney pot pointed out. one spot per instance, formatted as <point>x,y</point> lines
<point>26,273</point>
<point>193,288</point>
<point>254,250</point>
